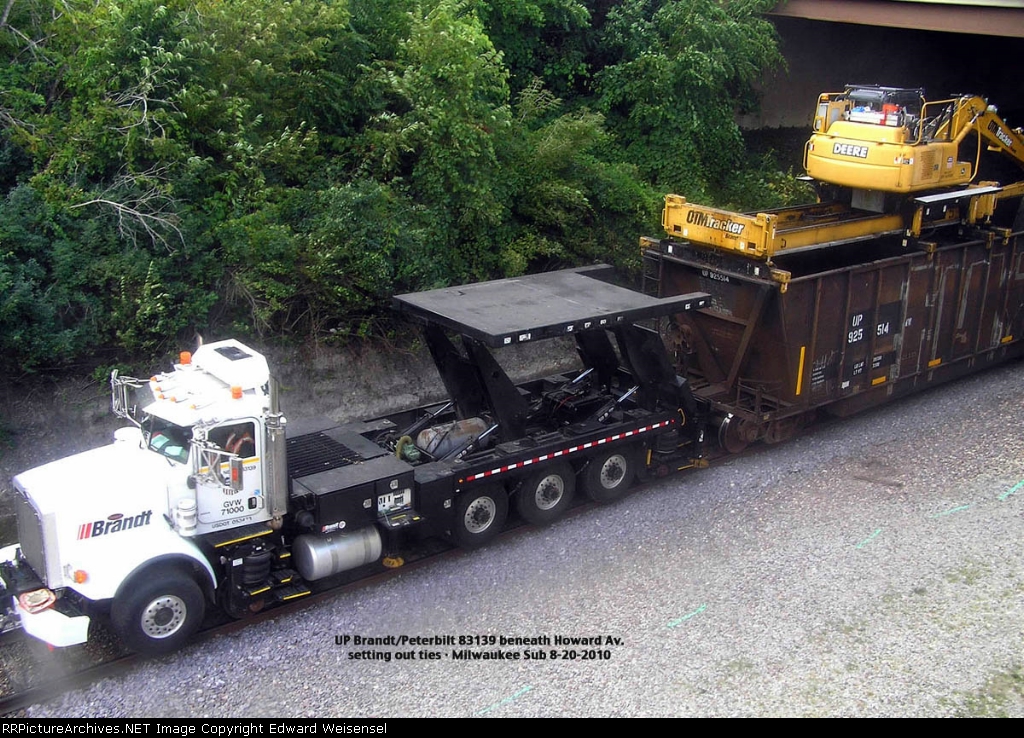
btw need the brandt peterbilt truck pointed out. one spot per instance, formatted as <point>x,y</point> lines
<point>211,500</point>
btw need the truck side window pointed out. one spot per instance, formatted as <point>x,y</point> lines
<point>239,438</point>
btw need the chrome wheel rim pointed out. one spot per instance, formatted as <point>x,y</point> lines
<point>549,492</point>
<point>613,471</point>
<point>479,515</point>
<point>164,616</point>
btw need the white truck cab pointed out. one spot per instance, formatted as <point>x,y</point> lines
<point>94,526</point>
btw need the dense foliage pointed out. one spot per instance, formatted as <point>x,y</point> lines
<point>283,167</point>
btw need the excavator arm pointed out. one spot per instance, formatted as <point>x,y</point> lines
<point>999,136</point>
<point>970,113</point>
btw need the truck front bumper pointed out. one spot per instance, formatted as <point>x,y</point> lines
<point>50,625</point>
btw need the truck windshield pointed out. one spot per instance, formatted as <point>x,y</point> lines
<point>166,438</point>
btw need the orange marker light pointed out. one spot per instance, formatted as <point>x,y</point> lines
<point>80,577</point>
<point>236,392</point>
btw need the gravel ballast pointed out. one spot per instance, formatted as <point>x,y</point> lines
<point>872,566</point>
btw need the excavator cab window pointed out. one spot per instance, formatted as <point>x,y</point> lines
<point>886,106</point>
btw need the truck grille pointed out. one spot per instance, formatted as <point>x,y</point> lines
<point>30,534</point>
<point>316,453</point>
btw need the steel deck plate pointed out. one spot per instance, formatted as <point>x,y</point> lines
<point>520,309</point>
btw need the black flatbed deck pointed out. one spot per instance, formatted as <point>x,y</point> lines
<point>537,306</point>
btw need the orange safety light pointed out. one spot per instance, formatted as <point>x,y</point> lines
<point>236,392</point>
<point>185,358</point>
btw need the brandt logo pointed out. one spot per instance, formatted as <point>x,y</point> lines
<point>113,524</point>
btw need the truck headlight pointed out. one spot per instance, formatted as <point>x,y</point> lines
<point>36,601</point>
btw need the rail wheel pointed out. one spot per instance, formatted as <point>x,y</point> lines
<point>479,516</point>
<point>609,476</point>
<point>735,433</point>
<point>546,494</point>
<point>159,614</point>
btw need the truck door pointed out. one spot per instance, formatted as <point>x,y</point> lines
<point>222,502</point>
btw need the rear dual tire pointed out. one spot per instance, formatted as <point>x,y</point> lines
<point>608,476</point>
<point>480,516</point>
<point>546,495</point>
<point>543,497</point>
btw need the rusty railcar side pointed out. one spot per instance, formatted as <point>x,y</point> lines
<point>840,328</point>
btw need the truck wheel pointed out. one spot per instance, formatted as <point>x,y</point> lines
<point>479,516</point>
<point>160,614</point>
<point>609,475</point>
<point>547,494</point>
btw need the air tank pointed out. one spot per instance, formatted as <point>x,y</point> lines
<point>319,556</point>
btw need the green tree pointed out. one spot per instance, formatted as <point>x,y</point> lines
<point>684,69</point>
<point>569,203</point>
<point>31,326</point>
<point>542,39</point>
<point>437,138</point>
<point>283,167</point>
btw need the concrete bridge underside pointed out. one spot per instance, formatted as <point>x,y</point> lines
<point>905,49</point>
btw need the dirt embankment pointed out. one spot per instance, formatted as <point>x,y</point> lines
<point>50,418</point>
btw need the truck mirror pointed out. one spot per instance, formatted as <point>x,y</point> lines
<point>236,473</point>
<point>208,462</point>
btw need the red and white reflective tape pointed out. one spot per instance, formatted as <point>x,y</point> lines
<point>567,451</point>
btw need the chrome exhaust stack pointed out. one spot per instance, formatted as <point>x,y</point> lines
<point>277,458</point>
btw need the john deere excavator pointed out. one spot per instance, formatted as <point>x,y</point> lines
<point>891,140</point>
<point>884,161</point>
<point>906,272</point>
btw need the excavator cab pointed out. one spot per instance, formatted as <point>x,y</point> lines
<point>886,106</point>
<point>893,107</point>
<point>873,140</point>
<point>891,140</point>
